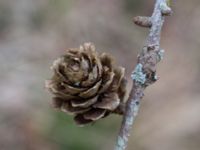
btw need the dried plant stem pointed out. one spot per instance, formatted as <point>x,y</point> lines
<point>145,71</point>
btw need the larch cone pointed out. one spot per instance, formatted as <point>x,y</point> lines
<point>87,85</point>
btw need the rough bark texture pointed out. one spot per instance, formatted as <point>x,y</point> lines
<point>144,73</point>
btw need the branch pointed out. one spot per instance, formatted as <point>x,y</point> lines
<point>144,73</point>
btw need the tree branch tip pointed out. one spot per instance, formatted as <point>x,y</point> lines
<point>165,9</point>
<point>143,21</point>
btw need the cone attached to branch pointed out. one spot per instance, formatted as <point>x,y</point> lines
<point>87,85</point>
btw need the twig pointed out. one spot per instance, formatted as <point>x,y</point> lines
<point>144,73</point>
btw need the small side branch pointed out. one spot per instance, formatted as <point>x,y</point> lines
<point>144,73</point>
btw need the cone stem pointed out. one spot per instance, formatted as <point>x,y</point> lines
<point>141,77</point>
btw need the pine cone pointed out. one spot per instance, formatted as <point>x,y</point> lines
<point>87,85</point>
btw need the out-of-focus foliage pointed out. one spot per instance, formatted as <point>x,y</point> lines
<point>35,32</point>
<point>5,18</point>
<point>133,5</point>
<point>69,136</point>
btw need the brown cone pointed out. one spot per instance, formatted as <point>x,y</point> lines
<point>87,84</point>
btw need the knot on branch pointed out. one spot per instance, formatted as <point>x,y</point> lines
<point>148,59</point>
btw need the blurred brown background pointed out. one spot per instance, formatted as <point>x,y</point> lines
<point>35,32</point>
